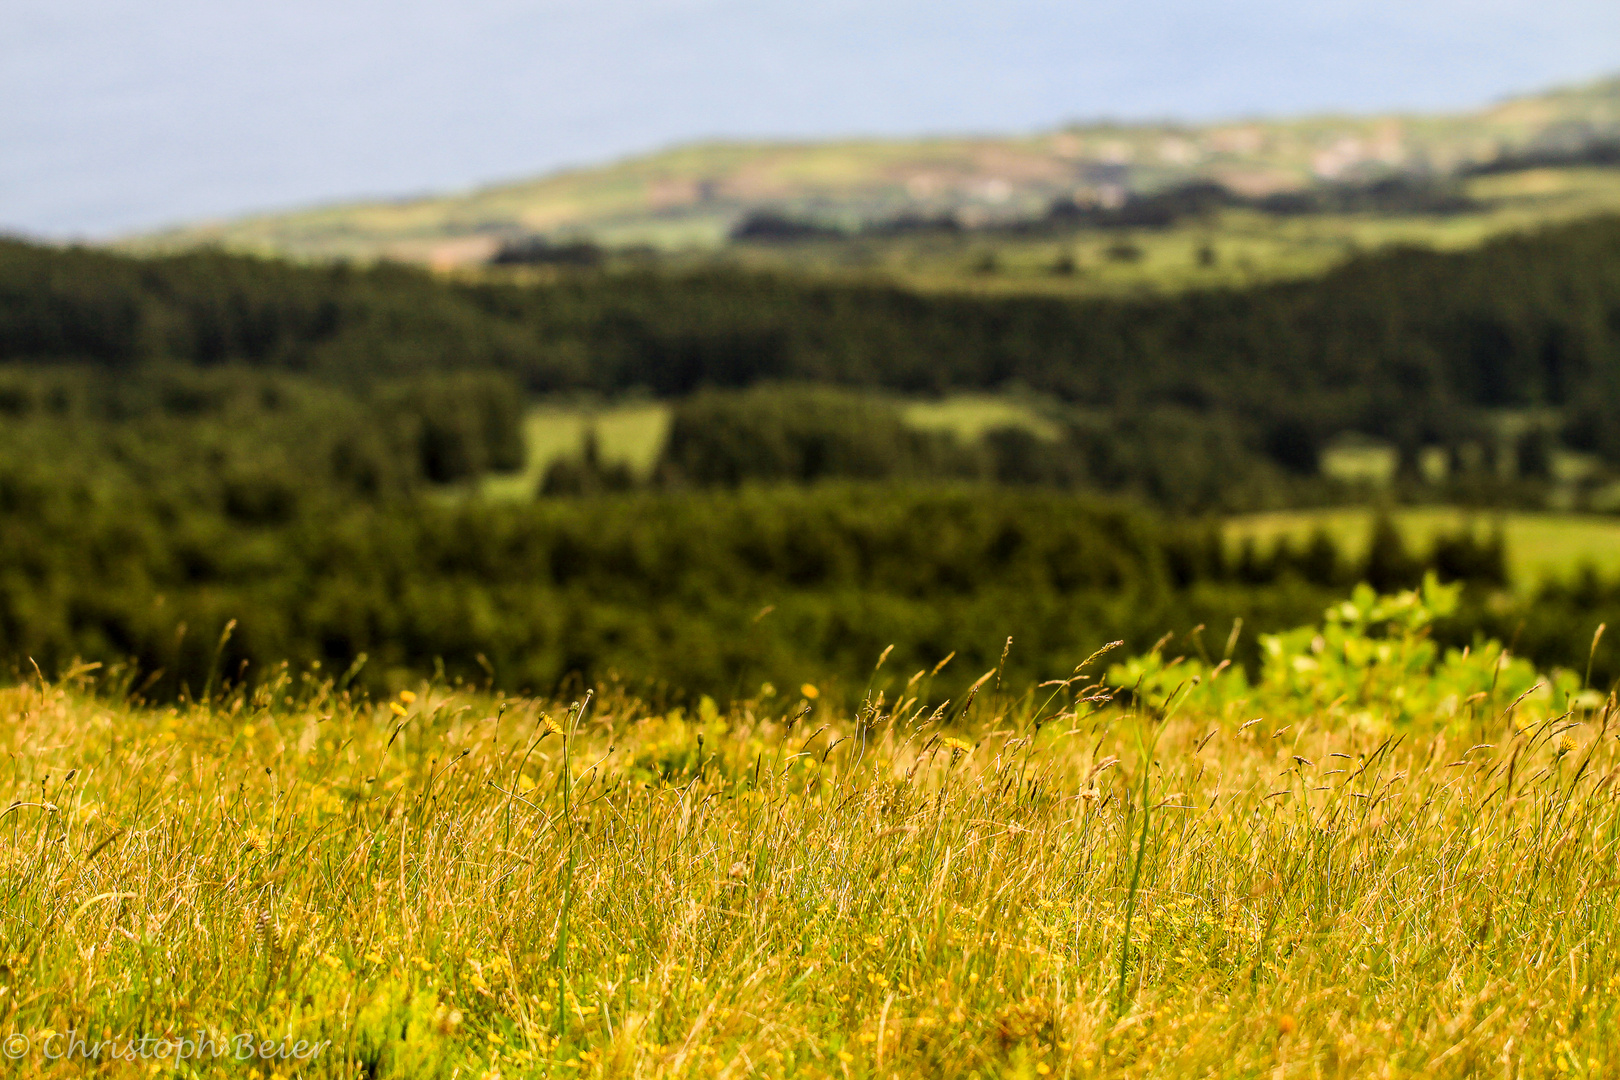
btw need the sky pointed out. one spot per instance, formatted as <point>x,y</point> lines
<point>125,115</point>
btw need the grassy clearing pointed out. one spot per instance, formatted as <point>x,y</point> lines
<point>453,884</point>
<point>1540,546</point>
<point>632,433</point>
<point>970,416</point>
<point>1361,463</point>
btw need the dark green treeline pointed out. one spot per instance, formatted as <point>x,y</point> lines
<point>1408,345</point>
<point>706,592</point>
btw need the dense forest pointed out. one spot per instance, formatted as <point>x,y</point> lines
<point>1413,346</point>
<point>1173,459</point>
<point>201,441</point>
<point>139,516</point>
<point>710,593</point>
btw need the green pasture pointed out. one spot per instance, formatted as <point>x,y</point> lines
<point>970,416</point>
<point>631,432</point>
<point>1540,546</point>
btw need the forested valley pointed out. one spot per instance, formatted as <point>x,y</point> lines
<point>211,464</point>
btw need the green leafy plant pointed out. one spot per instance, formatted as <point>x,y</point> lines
<point>1372,661</point>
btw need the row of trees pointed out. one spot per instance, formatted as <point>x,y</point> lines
<point>1178,459</point>
<point>1415,347</point>
<point>706,592</point>
<point>1174,458</point>
<point>253,445</point>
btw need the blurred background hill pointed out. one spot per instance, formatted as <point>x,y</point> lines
<point>1453,177</point>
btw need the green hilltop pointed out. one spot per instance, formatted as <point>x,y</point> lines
<point>690,198</point>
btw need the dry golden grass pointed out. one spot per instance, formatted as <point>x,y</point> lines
<point>452,884</point>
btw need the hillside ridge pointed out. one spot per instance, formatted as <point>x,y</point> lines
<point>693,195</point>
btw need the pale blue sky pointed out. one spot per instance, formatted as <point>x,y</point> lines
<point>128,114</point>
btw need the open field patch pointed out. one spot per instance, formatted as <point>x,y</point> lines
<point>1540,546</point>
<point>970,416</point>
<point>630,433</point>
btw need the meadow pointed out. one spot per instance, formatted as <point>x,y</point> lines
<point>1370,860</point>
<point>631,433</point>
<point>1540,546</point>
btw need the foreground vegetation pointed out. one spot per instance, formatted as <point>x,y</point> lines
<point>1373,859</point>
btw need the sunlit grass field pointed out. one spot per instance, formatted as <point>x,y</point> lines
<point>1328,877</point>
<point>970,416</point>
<point>1540,546</point>
<point>631,432</point>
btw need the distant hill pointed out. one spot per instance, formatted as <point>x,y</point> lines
<point>693,196</point>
